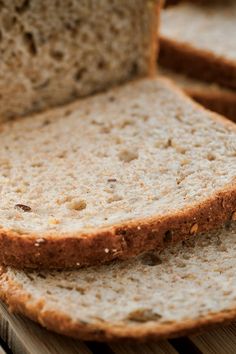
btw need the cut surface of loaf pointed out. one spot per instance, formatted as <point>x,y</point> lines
<point>113,175</point>
<point>184,288</point>
<point>54,51</point>
<point>198,39</point>
<point>212,96</point>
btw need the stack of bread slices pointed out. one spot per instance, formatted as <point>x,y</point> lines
<point>117,209</point>
<point>199,54</point>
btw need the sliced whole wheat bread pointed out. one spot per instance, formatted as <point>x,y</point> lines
<point>212,96</point>
<point>198,39</point>
<point>113,175</point>
<point>183,289</point>
<point>54,51</point>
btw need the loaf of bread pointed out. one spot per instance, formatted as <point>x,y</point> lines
<point>185,288</point>
<point>198,39</point>
<point>212,96</point>
<point>113,175</point>
<point>54,51</point>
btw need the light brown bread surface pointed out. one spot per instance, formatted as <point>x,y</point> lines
<point>112,176</point>
<point>54,51</point>
<point>183,289</point>
<point>197,39</point>
<point>211,96</point>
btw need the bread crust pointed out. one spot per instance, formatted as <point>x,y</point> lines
<point>115,242</point>
<point>20,302</point>
<point>154,45</point>
<point>199,64</point>
<point>220,101</point>
<point>122,240</point>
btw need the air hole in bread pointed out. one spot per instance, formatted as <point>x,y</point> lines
<point>22,6</point>
<point>77,205</point>
<point>150,259</point>
<point>114,30</point>
<point>126,123</point>
<point>178,116</point>
<point>114,198</point>
<point>145,118</point>
<point>40,275</point>
<point>67,112</point>
<point>143,315</point>
<point>111,98</point>
<point>29,42</point>
<point>36,164</point>
<point>101,65</point>
<point>211,157</point>
<point>6,174</point>
<point>120,13</point>
<point>62,155</point>
<point>128,155</point>
<point>100,36</point>
<point>57,55</point>
<point>46,122</point>
<point>79,74</point>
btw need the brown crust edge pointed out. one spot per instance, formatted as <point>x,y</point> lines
<point>21,302</point>
<point>199,64</point>
<point>155,31</point>
<point>222,102</point>
<point>123,240</point>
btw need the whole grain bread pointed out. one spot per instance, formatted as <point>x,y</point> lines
<point>113,175</point>
<point>54,51</point>
<point>198,40</point>
<point>211,95</point>
<point>185,288</point>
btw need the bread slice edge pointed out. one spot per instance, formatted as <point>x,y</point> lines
<point>203,65</point>
<point>18,301</point>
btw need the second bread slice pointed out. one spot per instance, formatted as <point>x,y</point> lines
<point>198,40</point>
<point>185,288</point>
<point>112,176</point>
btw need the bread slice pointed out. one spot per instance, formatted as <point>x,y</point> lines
<point>183,289</point>
<point>113,175</point>
<point>211,96</point>
<point>54,51</point>
<point>197,39</point>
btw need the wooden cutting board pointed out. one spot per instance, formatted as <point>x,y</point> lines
<point>19,335</point>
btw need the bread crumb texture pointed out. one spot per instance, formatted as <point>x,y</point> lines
<point>54,51</point>
<point>138,151</point>
<point>189,281</point>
